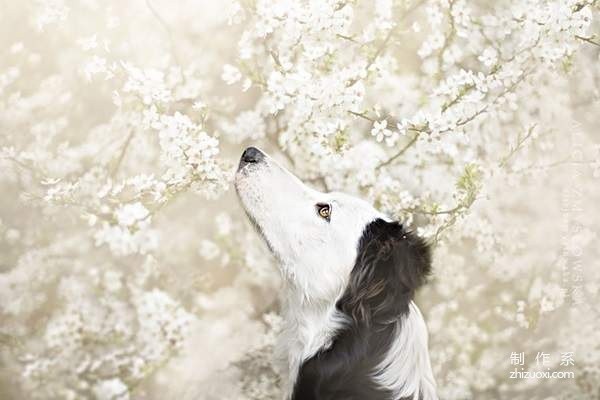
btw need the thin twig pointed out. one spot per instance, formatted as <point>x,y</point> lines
<point>361,115</point>
<point>588,39</point>
<point>117,165</point>
<point>349,38</point>
<point>449,38</point>
<point>399,153</point>
<point>380,49</point>
<point>559,163</point>
<point>417,210</point>
<point>520,142</point>
<point>167,29</point>
<point>38,175</point>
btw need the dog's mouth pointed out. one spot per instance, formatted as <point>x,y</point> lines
<point>249,188</point>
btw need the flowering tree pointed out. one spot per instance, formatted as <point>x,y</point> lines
<point>126,262</point>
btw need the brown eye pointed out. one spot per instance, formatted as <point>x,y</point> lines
<point>324,211</point>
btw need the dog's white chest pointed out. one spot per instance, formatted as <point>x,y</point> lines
<point>308,329</point>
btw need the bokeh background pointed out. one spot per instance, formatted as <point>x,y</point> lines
<point>127,267</point>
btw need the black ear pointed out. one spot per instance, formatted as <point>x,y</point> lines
<point>391,265</point>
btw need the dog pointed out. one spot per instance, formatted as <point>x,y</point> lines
<point>351,328</point>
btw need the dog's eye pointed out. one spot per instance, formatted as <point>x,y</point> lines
<point>324,211</point>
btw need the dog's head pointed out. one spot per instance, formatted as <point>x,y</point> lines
<point>317,237</point>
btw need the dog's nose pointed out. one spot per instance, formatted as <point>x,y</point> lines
<point>251,155</point>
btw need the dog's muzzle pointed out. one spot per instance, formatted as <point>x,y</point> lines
<point>251,155</point>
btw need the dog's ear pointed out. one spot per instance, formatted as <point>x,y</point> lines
<point>391,265</point>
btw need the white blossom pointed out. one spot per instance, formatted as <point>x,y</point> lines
<point>231,74</point>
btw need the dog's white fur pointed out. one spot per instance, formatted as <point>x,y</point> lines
<point>406,369</point>
<point>316,262</point>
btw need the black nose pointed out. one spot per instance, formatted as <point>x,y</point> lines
<point>251,155</point>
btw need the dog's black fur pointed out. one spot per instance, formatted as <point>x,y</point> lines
<point>391,264</point>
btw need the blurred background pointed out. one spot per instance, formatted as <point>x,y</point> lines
<point>128,269</point>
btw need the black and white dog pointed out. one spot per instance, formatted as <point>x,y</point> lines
<point>352,330</point>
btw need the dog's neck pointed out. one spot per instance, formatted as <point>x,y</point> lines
<point>311,328</point>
